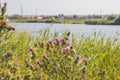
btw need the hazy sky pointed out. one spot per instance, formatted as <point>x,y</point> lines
<point>51,7</point>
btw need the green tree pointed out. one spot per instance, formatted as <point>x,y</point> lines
<point>117,21</point>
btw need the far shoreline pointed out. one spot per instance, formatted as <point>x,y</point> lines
<point>67,23</point>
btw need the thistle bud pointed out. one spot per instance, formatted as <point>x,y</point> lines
<point>49,41</point>
<point>78,57</point>
<point>85,59</point>
<point>38,61</point>
<point>5,4</point>
<point>84,67</point>
<point>63,50</point>
<point>31,49</point>
<point>55,68</point>
<point>44,55</point>
<point>13,29</point>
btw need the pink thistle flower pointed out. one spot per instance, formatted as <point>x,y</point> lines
<point>49,41</point>
<point>85,59</point>
<point>63,50</point>
<point>31,49</point>
<point>78,57</point>
<point>8,20</point>
<point>84,67</point>
<point>44,55</point>
<point>57,39</point>
<point>61,41</point>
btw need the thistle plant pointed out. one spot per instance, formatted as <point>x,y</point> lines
<point>57,60</point>
<point>4,21</point>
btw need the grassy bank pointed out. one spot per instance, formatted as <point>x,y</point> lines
<point>53,57</point>
<point>67,21</point>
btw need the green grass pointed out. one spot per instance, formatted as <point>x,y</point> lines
<point>103,57</point>
<point>47,21</point>
<point>66,21</point>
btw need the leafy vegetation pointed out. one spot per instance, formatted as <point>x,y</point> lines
<point>49,57</point>
<point>54,56</point>
<point>117,21</point>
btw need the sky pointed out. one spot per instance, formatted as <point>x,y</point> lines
<point>67,7</point>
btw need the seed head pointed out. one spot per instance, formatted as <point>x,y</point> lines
<point>9,53</point>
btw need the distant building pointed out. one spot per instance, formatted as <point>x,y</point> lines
<point>32,17</point>
<point>60,16</point>
<point>39,17</point>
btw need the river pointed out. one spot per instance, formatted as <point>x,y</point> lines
<point>107,30</point>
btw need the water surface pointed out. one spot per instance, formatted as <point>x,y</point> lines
<point>77,29</point>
